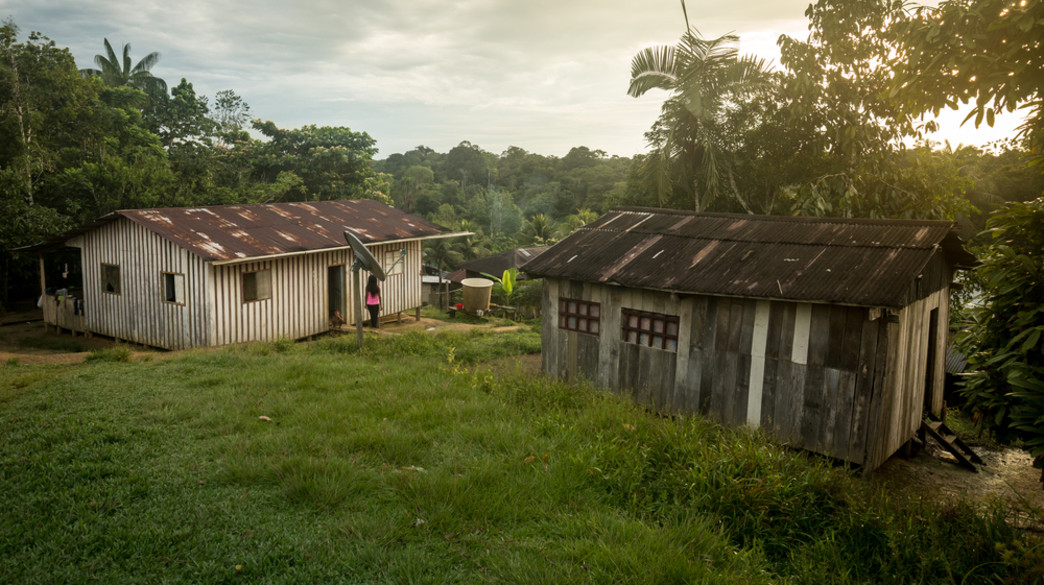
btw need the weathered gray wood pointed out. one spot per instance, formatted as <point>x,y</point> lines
<point>844,407</point>
<point>864,389</point>
<point>587,356</point>
<point>835,337</point>
<point>829,402</point>
<point>772,340</point>
<point>770,386</point>
<point>786,330</point>
<point>854,318</point>
<point>790,405</point>
<point>812,414</point>
<point>740,394</point>
<point>819,335</point>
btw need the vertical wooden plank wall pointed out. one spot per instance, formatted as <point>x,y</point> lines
<point>837,380</point>
<point>901,403</point>
<point>399,292</point>
<point>139,313</point>
<point>299,302</point>
<point>297,307</point>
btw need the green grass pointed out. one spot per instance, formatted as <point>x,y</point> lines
<point>410,462</point>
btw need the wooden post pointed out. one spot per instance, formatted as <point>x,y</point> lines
<point>358,304</point>
<point>43,292</point>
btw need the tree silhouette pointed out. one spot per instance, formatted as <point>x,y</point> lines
<point>117,73</point>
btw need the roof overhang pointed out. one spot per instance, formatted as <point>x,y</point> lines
<point>345,247</point>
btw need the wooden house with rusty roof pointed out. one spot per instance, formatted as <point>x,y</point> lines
<point>177,278</point>
<point>828,333</point>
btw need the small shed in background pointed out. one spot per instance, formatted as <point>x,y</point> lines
<point>496,264</point>
<point>828,333</point>
<point>177,278</point>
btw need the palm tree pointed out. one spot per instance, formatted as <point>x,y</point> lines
<point>703,76</point>
<point>117,74</point>
<point>541,229</point>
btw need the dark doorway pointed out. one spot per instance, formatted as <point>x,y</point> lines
<point>930,388</point>
<point>335,292</point>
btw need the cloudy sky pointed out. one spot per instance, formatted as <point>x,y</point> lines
<point>544,75</point>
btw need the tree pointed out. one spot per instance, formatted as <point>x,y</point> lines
<point>1005,337</point>
<point>115,72</point>
<point>703,77</point>
<point>469,164</point>
<point>231,115</point>
<point>181,118</point>
<point>850,132</point>
<point>540,229</point>
<point>331,162</point>
<point>987,52</point>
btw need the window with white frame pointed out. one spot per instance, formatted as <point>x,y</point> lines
<point>579,315</point>
<point>173,288</point>
<point>394,262</point>
<point>650,329</point>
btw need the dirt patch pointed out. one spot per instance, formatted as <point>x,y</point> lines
<point>1008,475</point>
<point>25,339</point>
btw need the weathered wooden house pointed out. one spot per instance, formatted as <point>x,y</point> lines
<point>201,276</point>
<point>828,333</point>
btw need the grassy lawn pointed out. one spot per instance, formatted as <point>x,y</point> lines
<point>409,462</point>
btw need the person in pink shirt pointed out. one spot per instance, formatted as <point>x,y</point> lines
<point>373,301</point>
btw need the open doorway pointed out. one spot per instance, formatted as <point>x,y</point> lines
<point>930,387</point>
<point>336,294</point>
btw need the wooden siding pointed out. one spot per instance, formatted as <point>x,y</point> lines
<point>399,292</point>
<point>299,303</point>
<point>213,311</point>
<point>139,313</point>
<point>837,380</point>
<point>898,411</point>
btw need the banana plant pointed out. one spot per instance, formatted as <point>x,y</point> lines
<point>506,283</point>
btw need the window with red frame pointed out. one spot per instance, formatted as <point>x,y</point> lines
<point>577,315</point>
<point>650,329</point>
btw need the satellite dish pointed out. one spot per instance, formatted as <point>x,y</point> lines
<point>363,257</point>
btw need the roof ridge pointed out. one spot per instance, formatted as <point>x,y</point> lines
<point>781,218</point>
<point>648,232</point>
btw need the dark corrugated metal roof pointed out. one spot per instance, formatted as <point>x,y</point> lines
<point>956,361</point>
<point>496,264</point>
<point>233,232</point>
<point>850,261</point>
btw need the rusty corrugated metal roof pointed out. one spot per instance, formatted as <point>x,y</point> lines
<point>233,232</point>
<point>849,261</point>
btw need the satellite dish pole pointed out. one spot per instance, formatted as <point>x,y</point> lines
<point>363,259</point>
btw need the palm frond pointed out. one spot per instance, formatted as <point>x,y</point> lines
<point>653,68</point>
<point>126,60</point>
<point>147,62</point>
